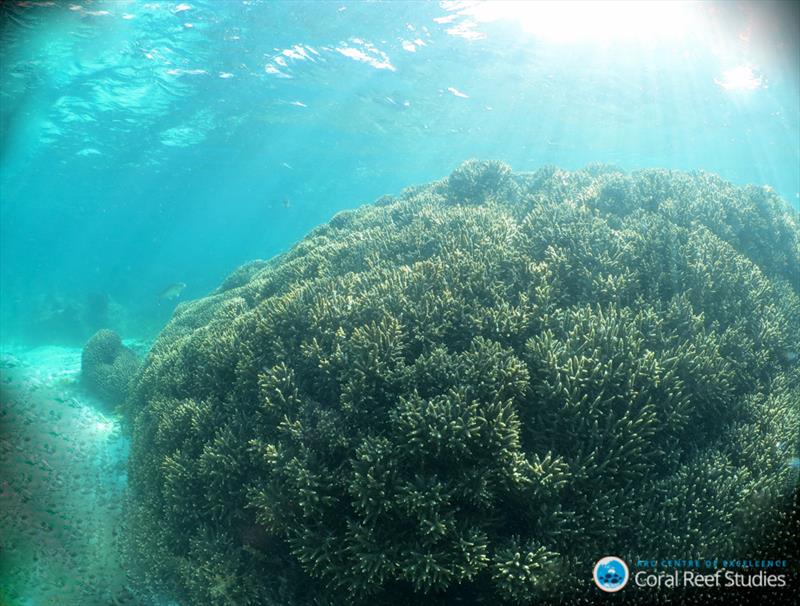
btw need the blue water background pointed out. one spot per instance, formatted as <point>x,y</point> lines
<point>149,143</point>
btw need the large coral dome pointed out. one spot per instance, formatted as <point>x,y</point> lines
<point>472,392</point>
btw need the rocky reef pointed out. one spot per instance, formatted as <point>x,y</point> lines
<point>469,393</point>
<point>107,367</point>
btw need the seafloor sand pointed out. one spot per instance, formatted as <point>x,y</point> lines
<point>62,476</point>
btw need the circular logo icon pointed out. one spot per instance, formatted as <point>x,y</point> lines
<point>611,574</point>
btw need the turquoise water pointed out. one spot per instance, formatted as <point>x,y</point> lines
<point>150,143</point>
<point>151,148</point>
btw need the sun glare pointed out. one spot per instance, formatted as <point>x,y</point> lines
<point>740,78</point>
<point>585,20</point>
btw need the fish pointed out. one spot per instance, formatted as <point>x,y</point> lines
<point>173,291</point>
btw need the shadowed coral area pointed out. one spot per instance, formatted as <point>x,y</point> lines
<point>471,392</point>
<point>107,367</point>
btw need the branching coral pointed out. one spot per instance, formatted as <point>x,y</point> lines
<point>471,392</point>
<point>107,367</point>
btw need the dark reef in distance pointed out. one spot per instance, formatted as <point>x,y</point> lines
<point>471,392</point>
<point>59,318</point>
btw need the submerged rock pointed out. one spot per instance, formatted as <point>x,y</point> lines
<point>107,367</point>
<point>472,392</point>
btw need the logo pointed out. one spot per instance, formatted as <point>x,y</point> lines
<point>611,574</point>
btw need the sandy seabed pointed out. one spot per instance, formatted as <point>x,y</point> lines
<point>62,479</point>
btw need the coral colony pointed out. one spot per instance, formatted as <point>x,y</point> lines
<point>470,392</point>
<point>107,367</point>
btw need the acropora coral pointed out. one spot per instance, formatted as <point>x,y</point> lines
<point>469,393</point>
<point>107,367</point>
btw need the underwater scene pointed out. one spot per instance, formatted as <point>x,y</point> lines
<point>310,303</point>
